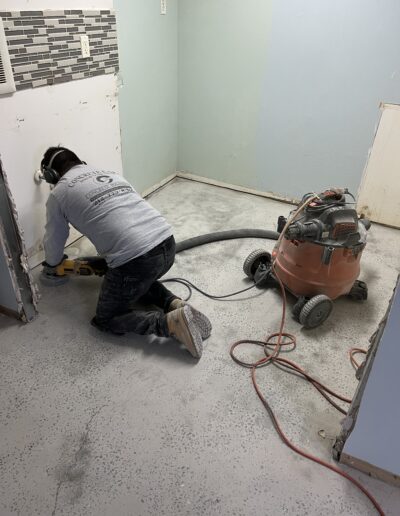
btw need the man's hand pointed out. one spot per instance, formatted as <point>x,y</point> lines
<point>51,270</point>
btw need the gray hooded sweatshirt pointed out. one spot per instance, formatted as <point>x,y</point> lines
<point>105,208</point>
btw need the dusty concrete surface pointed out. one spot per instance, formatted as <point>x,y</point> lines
<point>98,425</point>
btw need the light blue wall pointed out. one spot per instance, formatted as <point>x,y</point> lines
<point>222,51</point>
<point>148,98</point>
<point>283,95</point>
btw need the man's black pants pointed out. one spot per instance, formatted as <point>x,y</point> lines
<point>136,281</point>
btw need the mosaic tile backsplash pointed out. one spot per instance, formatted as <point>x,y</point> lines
<point>45,46</point>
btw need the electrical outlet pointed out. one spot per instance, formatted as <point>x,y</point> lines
<point>163,6</point>
<point>85,46</point>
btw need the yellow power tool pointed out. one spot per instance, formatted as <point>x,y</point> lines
<point>85,266</point>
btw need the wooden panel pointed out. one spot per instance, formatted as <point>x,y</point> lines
<point>379,195</point>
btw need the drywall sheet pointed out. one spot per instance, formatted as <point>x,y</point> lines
<point>373,445</point>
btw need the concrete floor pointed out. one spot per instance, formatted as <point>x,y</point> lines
<point>93,424</point>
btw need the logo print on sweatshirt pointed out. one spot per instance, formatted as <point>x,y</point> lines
<point>104,179</point>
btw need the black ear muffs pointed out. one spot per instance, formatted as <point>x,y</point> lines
<point>49,173</point>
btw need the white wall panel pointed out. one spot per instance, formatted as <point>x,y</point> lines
<point>82,115</point>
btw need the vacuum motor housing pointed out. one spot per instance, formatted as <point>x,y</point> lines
<point>321,249</point>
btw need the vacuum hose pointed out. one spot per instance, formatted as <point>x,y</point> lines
<point>225,235</point>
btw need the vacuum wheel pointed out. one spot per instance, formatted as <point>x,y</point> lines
<point>359,291</point>
<point>315,311</point>
<point>253,261</point>
<point>298,307</point>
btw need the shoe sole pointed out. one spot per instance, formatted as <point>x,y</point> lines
<point>202,321</point>
<point>195,347</point>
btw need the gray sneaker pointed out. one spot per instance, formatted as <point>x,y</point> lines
<point>182,327</point>
<point>201,320</point>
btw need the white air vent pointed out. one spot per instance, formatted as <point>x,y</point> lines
<point>7,84</point>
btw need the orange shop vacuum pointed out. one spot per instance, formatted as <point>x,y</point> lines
<point>317,255</point>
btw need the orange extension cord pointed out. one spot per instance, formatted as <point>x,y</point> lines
<point>355,351</point>
<point>274,358</point>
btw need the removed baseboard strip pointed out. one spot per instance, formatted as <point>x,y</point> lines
<point>236,188</point>
<point>158,186</point>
